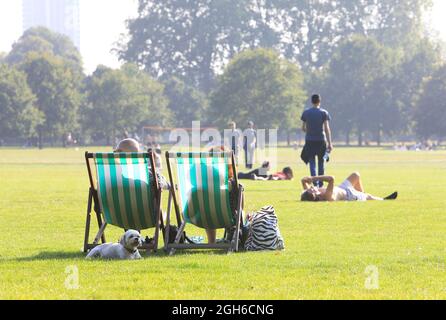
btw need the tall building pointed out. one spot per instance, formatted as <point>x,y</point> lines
<point>57,15</point>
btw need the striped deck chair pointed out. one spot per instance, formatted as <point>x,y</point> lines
<point>121,194</point>
<point>202,182</point>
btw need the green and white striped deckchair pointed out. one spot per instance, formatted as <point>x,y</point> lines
<point>125,194</point>
<point>202,196</point>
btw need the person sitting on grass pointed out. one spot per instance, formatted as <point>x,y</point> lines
<point>350,190</point>
<point>131,145</point>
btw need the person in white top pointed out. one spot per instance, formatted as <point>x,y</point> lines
<point>349,190</point>
<point>249,144</point>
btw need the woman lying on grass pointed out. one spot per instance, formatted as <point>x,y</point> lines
<point>350,190</point>
<point>262,174</point>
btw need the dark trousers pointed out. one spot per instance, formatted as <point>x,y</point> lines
<point>311,151</point>
<point>248,175</point>
<point>320,169</point>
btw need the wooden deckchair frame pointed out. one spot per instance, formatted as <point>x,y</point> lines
<point>233,245</point>
<point>94,205</point>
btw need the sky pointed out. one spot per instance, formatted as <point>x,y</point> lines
<point>103,21</point>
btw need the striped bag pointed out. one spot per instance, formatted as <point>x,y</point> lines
<point>264,233</point>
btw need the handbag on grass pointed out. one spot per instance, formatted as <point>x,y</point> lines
<point>264,233</point>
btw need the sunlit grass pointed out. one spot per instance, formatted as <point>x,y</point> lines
<point>328,245</point>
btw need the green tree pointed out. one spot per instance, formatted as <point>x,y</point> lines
<point>194,39</point>
<point>19,117</point>
<point>258,85</point>
<point>42,40</point>
<point>122,100</point>
<point>312,29</point>
<point>186,103</point>
<point>430,117</point>
<point>406,83</point>
<point>357,88</point>
<point>189,39</point>
<point>55,86</point>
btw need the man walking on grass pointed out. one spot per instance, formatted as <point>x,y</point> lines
<point>318,138</point>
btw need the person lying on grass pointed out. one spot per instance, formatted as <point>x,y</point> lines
<point>259,172</point>
<point>131,145</point>
<point>285,174</point>
<point>350,190</point>
<point>262,174</point>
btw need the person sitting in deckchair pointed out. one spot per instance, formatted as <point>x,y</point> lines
<point>210,233</point>
<point>350,190</point>
<point>131,145</point>
<point>127,145</point>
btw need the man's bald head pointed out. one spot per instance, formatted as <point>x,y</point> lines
<point>128,145</point>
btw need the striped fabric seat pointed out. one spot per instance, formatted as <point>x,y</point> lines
<point>203,183</point>
<point>125,190</point>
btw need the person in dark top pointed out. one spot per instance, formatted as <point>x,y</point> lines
<point>262,174</point>
<point>259,172</point>
<point>318,137</point>
<point>234,139</point>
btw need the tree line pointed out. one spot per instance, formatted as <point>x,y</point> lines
<point>379,72</point>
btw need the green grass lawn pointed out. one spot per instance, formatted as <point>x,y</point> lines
<point>43,198</point>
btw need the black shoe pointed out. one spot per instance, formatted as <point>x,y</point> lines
<point>148,240</point>
<point>393,196</point>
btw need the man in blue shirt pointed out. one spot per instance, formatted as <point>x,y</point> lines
<point>318,137</point>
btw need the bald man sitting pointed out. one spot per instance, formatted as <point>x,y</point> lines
<point>131,145</point>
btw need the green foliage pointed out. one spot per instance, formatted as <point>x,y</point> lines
<point>122,100</point>
<point>18,115</point>
<point>185,102</point>
<point>371,88</point>
<point>357,88</point>
<point>414,67</point>
<point>258,85</point>
<point>431,107</point>
<point>55,87</point>
<point>188,38</point>
<point>367,58</point>
<point>43,40</point>
<point>193,39</point>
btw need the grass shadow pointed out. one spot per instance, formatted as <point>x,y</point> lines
<point>52,255</point>
<point>160,254</point>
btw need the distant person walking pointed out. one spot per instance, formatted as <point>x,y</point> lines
<point>249,144</point>
<point>318,138</point>
<point>234,139</point>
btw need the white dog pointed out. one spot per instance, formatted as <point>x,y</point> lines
<point>126,249</point>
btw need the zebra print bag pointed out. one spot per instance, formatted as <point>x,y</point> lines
<point>264,233</point>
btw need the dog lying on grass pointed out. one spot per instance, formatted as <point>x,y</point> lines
<point>125,249</point>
